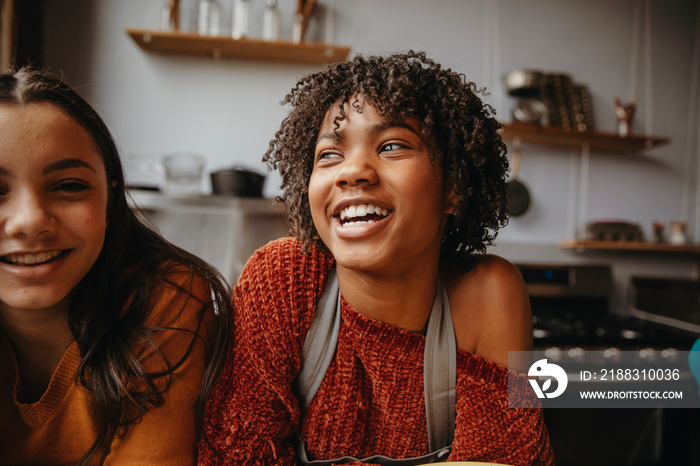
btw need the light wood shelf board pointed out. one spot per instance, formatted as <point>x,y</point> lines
<point>598,140</point>
<point>218,47</point>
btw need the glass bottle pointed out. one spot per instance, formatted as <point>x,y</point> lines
<point>170,16</point>
<point>209,18</point>
<point>297,28</point>
<point>272,21</point>
<point>241,18</point>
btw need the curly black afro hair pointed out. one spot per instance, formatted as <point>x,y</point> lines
<point>463,129</point>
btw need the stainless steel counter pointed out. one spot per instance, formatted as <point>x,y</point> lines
<point>222,230</point>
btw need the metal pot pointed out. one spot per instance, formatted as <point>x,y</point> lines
<point>532,111</point>
<point>524,83</point>
<point>237,181</point>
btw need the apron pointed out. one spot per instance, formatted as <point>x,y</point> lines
<point>439,374</point>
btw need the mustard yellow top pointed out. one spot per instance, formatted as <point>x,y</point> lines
<point>58,429</point>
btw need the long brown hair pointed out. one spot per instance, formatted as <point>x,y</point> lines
<point>109,307</point>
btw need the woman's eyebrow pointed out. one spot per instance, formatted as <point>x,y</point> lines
<point>393,124</point>
<point>66,164</point>
<point>336,136</point>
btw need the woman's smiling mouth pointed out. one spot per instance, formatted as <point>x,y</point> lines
<point>361,214</point>
<point>33,259</point>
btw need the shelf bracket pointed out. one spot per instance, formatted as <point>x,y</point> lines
<point>583,185</point>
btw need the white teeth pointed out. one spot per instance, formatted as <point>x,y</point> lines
<point>361,222</point>
<point>362,210</point>
<point>30,259</point>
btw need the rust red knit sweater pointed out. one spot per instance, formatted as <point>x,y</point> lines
<point>371,400</point>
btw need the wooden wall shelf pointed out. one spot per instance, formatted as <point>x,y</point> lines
<point>553,136</point>
<point>218,47</point>
<point>640,246</point>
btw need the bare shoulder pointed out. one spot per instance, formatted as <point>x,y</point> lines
<point>490,309</point>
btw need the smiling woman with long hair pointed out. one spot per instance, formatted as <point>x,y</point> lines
<point>110,337</point>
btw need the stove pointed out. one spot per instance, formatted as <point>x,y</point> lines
<point>571,310</point>
<point>571,314</point>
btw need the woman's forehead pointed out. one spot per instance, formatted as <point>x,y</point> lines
<point>359,103</point>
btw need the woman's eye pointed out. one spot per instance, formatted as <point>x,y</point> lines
<point>327,156</point>
<point>72,187</point>
<point>392,146</point>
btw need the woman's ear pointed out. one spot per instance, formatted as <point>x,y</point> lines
<point>451,197</point>
<point>450,200</point>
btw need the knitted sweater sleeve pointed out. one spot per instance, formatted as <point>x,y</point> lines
<point>252,416</point>
<point>487,429</point>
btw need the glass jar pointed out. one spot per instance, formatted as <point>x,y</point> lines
<point>209,18</point>
<point>272,21</point>
<point>241,19</point>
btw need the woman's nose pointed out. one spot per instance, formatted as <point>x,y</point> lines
<point>26,215</point>
<point>356,169</point>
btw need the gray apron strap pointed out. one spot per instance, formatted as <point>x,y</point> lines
<point>320,343</point>
<point>439,374</point>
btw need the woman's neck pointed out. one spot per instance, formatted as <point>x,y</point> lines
<point>403,300</point>
<point>39,339</point>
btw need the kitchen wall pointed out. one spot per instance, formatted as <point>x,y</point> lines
<point>228,110</point>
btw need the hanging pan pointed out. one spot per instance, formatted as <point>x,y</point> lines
<point>517,194</point>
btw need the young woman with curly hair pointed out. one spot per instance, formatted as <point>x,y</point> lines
<point>110,337</point>
<point>380,332</point>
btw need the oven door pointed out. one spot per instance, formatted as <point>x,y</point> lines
<point>670,302</point>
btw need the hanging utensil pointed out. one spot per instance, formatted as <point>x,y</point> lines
<point>517,194</point>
